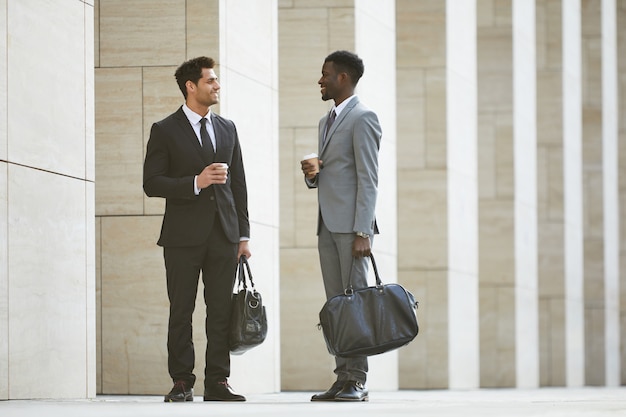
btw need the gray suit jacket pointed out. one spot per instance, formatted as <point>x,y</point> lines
<point>348,181</point>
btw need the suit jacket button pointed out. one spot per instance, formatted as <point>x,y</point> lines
<point>212,198</point>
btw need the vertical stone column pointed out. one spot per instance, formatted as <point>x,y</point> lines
<point>525,173</point>
<point>573,195</point>
<point>47,316</point>
<point>507,190</point>
<point>4,249</point>
<point>135,87</point>
<point>308,33</point>
<point>551,259</point>
<point>437,188</point>
<point>621,49</point>
<point>610,86</point>
<point>598,178</point>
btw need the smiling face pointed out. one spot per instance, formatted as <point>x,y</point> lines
<point>329,82</point>
<point>206,92</point>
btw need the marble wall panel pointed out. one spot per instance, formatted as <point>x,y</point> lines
<point>423,192</point>
<point>119,142</point>
<point>552,341</point>
<point>90,103</point>
<point>411,124</point>
<point>497,342</point>
<point>435,329</point>
<point>90,277</point>
<point>342,20</point>
<point>160,97</point>
<point>98,280</point>
<point>134,307</point>
<point>3,82</point>
<point>306,204</point>
<point>505,156</point>
<point>425,21</point>
<point>48,358</point>
<point>594,273</point>
<point>4,286</point>
<point>202,29</point>
<point>595,372</point>
<point>303,37</point>
<point>487,155</point>
<point>550,107</point>
<point>436,113</point>
<point>96,32</point>
<point>61,146</point>
<point>496,253</point>
<point>550,259</point>
<point>129,35</point>
<point>301,298</point>
<point>290,179</point>
<point>593,208</point>
<point>414,357</point>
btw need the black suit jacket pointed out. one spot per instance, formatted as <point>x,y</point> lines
<point>173,159</point>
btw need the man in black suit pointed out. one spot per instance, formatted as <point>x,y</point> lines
<point>193,160</point>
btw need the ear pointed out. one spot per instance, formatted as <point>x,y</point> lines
<point>190,86</point>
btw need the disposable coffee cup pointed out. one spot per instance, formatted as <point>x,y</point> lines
<point>312,158</point>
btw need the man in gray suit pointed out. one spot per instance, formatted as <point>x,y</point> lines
<point>347,184</point>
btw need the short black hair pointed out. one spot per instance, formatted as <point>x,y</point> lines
<point>348,62</point>
<point>192,71</point>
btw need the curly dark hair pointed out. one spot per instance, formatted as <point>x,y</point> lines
<point>191,70</point>
<point>348,62</point>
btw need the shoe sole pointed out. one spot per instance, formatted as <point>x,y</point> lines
<point>354,400</point>
<point>223,400</point>
<point>178,401</point>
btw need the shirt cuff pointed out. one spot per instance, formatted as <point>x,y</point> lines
<point>196,190</point>
<point>244,239</point>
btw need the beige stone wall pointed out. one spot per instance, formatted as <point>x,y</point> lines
<point>47,304</point>
<point>496,193</point>
<point>551,272</point>
<point>593,193</point>
<point>437,189</point>
<point>138,49</point>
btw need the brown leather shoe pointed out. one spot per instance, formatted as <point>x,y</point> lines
<point>181,392</point>
<point>221,391</point>
<point>353,391</point>
<point>330,394</point>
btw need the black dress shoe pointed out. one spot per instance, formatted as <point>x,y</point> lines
<point>180,392</point>
<point>352,391</point>
<point>330,394</point>
<point>221,391</point>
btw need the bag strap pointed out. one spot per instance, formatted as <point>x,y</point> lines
<point>241,274</point>
<point>349,289</point>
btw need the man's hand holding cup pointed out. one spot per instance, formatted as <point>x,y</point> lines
<point>216,173</point>
<point>310,165</point>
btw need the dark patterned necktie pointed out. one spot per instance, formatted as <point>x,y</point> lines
<point>329,123</point>
<point>207,146</point>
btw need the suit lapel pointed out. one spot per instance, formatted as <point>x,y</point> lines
<point>185,126</point>
<point>345,112</point>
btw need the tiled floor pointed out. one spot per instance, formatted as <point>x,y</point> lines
<point>545,402</point>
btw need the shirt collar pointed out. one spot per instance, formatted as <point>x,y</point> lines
<point>338,109</point>
<point>194,118</point>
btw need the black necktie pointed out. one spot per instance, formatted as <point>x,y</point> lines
<point>329,123</point>
<point>207,146</point>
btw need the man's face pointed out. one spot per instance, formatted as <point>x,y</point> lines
<point>329,82</point>
<point>206,92</point>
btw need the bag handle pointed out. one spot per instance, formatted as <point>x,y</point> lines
<point>379,284</point>
<point>241,274</point>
